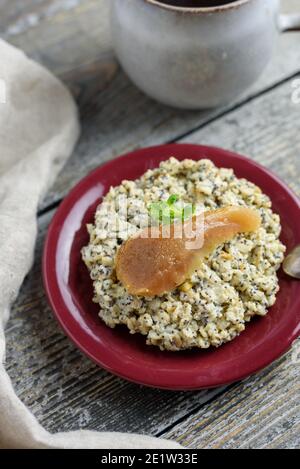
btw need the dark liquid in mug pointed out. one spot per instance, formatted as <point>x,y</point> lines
<point>196,3</point>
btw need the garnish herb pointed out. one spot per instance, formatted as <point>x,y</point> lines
<point>171,210</point>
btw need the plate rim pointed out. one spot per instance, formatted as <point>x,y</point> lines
<point>49,274</point>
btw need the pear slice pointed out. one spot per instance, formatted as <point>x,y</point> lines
<point>158,259</point>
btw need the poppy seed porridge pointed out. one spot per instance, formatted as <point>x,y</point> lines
<point>237,281</point>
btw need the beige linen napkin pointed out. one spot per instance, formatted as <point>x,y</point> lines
<point>38,131</point>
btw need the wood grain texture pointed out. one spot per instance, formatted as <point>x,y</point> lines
<point>18,16</point>
<point>261,412</point>
<point>267,130</point>
<point>72,38</point>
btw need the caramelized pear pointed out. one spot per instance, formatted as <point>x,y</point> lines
<point>159,259</point>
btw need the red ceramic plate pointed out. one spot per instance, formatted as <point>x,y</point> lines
<point>69,288</point>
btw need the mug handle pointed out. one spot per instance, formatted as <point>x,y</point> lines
<point>289,22</point>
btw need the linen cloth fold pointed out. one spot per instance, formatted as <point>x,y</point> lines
<point>38,130</point>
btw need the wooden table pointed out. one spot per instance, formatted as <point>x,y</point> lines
<point>60,385</point>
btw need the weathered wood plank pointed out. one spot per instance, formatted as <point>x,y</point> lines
<point>73,40</point>
<point>13,11</point>
<point>261,412</point>
<point>61,34</point>
<point>65,390</point>
<point>267,129</point>
<point>18,17</point>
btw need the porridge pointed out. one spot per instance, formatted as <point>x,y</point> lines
<point>235,282</point>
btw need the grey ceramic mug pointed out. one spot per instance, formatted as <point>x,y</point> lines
<point>196,58</point>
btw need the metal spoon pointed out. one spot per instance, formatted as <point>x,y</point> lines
<point>291,264</point>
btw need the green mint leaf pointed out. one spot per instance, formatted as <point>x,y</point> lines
<point>166,212</point>
<point>173,199</point>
